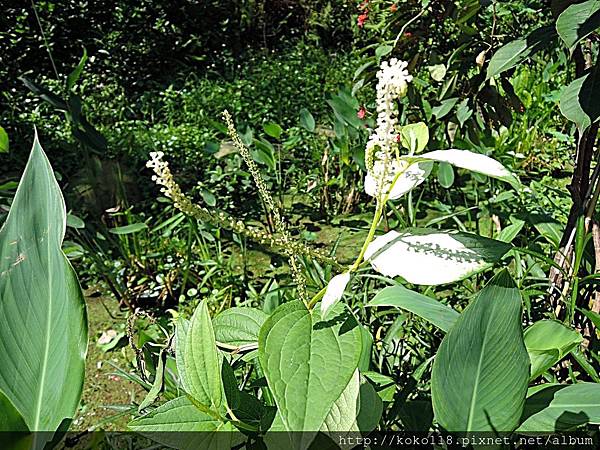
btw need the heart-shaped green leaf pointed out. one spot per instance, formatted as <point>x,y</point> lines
<point>43,328</point>
<point>480,373</point>
<point>308,362</point>
<point>172,423</point>
<point>239,326</point>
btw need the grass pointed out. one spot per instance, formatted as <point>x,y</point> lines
<point>104,393</point>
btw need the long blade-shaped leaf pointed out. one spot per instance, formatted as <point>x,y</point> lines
<point>480,372</point>
<point>198,362</point>
<point>517,51</point>
<point>43,330</point>
<point>437,313</point>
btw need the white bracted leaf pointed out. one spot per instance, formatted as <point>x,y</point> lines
<point>334,292</point>
<point>432,257</point>
<point>475,162</point>
<point>413,176</point>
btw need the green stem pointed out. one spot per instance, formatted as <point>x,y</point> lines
<point>313,301</point>
<point>376,217</point>
<point>374,224</point>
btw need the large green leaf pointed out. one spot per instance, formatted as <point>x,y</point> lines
<point>431,257</point>
<point>43,329</point>
<point>358,409</point>
<point>239,326</point>
<point>578,21</point>
<point>480,373</point>
<point>547,342</point>
<point>10,419</point>
<point>169,423</point>
<point>580,100</point>
<point>517,51</point>
<point>198,361</point>
<point>562,408</point>
<point>308,363</point>
<point>427,308</point>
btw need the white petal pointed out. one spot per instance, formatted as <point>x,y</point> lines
<point>432,257</point>
<point>334,292</point>
<point>370,185</point>
<point>414,175</point>
<point>475,162</point>
<point>410,179</point>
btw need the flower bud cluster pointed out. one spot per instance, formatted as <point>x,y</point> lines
<point>266,197</point>
<point>282,239</point>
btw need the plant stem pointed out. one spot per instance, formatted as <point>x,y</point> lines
<point>374,224</point>
<point>381,201</point>
<point>313,301</point>
<point>39,23</point>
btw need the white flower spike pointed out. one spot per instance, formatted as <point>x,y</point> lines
<point>383,148</point>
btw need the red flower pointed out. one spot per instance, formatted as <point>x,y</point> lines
<point>398,138</point>
<point>394,8</point>
<point>408,35</point>
<point>362,19</point>
<point>361,113</point>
